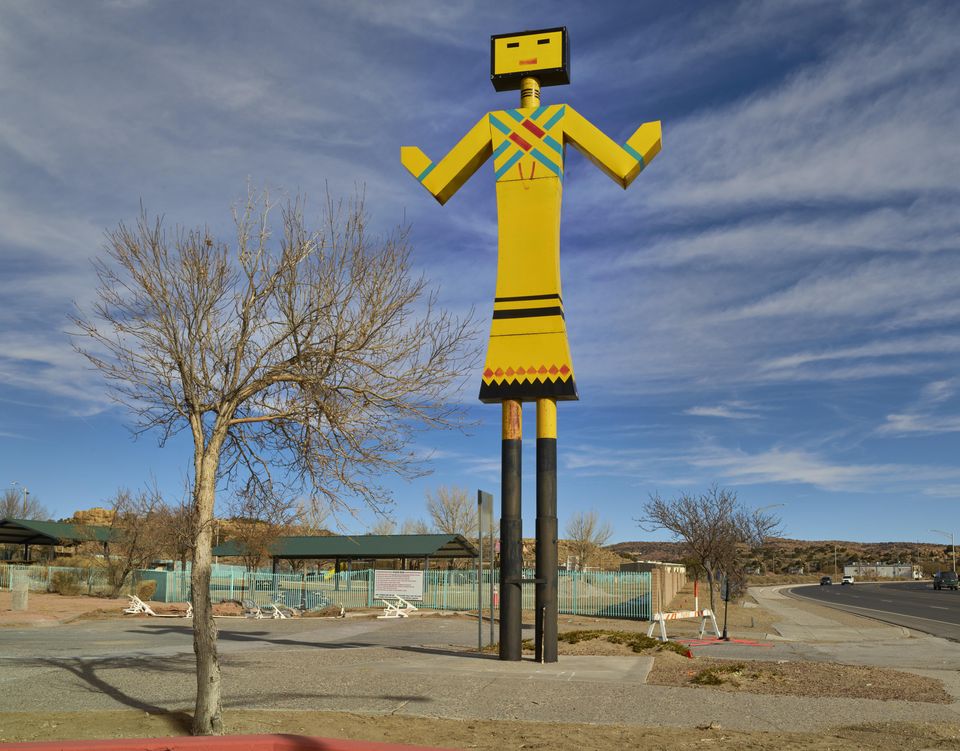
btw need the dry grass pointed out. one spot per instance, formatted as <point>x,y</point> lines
<point>797,679</point>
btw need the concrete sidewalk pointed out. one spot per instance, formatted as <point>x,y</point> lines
<point>422,668</point>
<point>819,624</point>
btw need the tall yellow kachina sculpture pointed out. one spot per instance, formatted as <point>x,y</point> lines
<point>528,357</point>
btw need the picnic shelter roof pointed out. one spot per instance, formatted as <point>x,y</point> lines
<point>362,547</point>
<point>34,532</point>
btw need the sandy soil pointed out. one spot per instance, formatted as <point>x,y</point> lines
<point>50,609</point>
<point>484,735</point>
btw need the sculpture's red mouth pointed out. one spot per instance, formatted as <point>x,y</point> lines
<point>531,61</point>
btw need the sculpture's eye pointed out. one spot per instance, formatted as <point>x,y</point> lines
<point>543,41</point>
<point>513,44</point>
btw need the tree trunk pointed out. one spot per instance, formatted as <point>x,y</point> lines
<point>709,570</point>
<point>208,714</point>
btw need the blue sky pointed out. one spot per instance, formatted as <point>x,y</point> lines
<point>771,306</point>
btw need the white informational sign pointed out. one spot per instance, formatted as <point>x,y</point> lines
<point>405,584</point>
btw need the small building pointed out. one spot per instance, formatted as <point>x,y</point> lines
<point>882,571</point>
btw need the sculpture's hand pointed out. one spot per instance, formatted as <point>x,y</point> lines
<point>445,177</point>
<point>416,162</point>
<point>645,142</point>
<point>620,163</point>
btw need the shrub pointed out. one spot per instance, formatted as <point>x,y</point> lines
<point>636,641</point>
<point>719,674</point>
<point>66,583</point>
<point>146,589</point>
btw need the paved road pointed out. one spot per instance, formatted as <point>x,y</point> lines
<point>916,605</point>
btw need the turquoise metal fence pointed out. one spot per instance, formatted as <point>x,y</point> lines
<point>599,594</point>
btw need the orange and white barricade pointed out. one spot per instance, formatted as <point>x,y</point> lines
<point>662,618</point>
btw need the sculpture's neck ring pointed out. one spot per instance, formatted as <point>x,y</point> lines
<point>529,92</point>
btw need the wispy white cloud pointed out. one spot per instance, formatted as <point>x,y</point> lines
<point>894,348</point>
<point>944,491</point>
<point>875,288</point>
<point>939,391</point>
<point>790,466</point>
<point>838,128</point>
<point>901,424</point>
<point>928,415</point>
<point>727,410</point>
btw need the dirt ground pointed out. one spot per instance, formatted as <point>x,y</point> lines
<point>483,735</point>
<point>51,609</point>
<point>796,678</point>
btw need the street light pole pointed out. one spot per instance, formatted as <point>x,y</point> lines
<point>25,494</point>
<point>953,549</point>
<point>757,511</point>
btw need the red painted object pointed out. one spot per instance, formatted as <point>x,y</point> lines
<point>280,742</point>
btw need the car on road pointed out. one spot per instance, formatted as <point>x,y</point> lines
<point>825,580</point>
<point>946,580</point>
<point>847,579</point>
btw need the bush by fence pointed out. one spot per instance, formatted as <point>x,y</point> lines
<point>65,580</point>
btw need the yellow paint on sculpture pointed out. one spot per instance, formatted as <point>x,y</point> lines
<point>546,418</point>
<point>521,53</point>
<point>528,356</point>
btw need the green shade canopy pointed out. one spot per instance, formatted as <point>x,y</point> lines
<point>363,547</point>
<point>32,532</point>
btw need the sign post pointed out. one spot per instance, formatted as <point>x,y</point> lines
<point>484,514</point>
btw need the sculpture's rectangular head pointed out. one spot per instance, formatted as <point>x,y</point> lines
<point>543,54</point>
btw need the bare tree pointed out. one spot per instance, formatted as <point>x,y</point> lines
<point>384,525</point>
<point>15,504</point>
<point>259,517</point>
<point>586,535</point>
<point>715,529</point>
<point>133,539</point>
<point>307,361</point>
<point>414,527</point>
<point>453,511</point>
<point>311,517</point>
<point>177,531</point>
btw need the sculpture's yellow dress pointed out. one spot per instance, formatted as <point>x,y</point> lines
<point>528,356</point>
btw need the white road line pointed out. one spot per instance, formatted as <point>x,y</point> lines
<point>939,607</point>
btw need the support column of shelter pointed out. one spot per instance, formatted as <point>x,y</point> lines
<point>545,641</point>
<point>511,555</point>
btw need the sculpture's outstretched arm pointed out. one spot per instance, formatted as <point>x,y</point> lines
<point>445,177</point>
<point>620,163</point>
